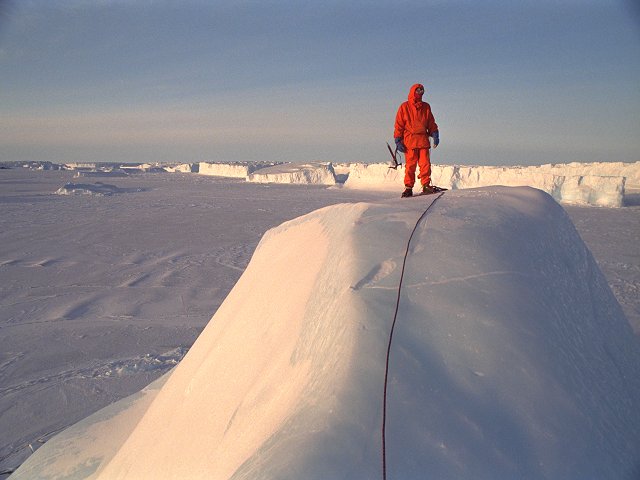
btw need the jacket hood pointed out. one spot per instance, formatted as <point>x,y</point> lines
<point>412,91</point>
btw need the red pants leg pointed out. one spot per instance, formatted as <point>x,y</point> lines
<point>424,161</point>
<point>411,160</point>
<point>417,157</point>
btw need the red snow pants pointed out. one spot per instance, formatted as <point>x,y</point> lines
<point>420,157</point>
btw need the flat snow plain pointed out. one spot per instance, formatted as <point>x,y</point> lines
<point>100,295</point>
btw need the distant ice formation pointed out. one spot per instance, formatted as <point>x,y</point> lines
<point>600,183</point>
<point>299,173</point>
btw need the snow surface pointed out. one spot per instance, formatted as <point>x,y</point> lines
<point>90,283</point>
<point>93,286</point>
<point>100,173</point>
<point>605,231</point>
<point>510,357</point>
<point>97,188</point>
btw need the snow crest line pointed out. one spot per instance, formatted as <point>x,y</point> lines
<point>393,324</point>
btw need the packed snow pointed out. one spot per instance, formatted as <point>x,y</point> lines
<point>508,357</point>
<point>100,295</point>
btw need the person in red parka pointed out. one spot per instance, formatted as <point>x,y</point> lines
<point>414,125</point>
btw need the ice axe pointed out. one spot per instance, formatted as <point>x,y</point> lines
<point>394,157</point>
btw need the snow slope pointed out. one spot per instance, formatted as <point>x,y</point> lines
<point>509,358</point>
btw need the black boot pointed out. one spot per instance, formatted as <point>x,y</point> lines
<point>408,192</point>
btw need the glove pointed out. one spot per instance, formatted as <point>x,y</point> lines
<point>399,145</point>
<point>436,138</point>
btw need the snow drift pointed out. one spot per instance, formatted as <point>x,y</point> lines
<point>97,189</point>
<point>509,358</point>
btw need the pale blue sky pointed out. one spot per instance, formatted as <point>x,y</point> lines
<point>510,82</point>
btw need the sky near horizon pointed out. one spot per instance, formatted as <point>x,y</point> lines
<point>524,82</point>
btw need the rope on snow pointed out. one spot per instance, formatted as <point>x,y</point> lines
<point>393,324</point>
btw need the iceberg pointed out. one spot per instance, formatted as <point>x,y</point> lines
<point>298,173</point>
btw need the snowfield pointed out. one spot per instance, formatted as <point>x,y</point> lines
<point>507,356</point>
<point>507,336</point>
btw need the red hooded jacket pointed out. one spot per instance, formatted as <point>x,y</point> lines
<point>414,121</point>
